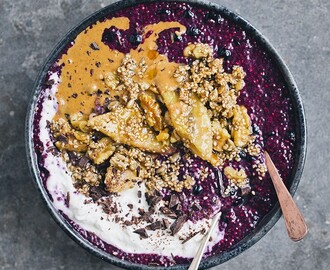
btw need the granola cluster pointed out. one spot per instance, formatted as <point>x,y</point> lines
<point>123,141</point>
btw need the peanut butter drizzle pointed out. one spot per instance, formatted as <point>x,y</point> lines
<point>84,67</point>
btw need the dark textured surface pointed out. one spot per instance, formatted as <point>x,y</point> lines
<point>29,238</point>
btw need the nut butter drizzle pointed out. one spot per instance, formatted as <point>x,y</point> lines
<point>85,64</point>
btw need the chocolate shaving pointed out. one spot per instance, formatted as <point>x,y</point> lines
<point>153,199</point>
<point>139,194</point>
<point>49,82</point>
<point>117,218</point>
<point>142,232</point>
<point>221,187</point>
<point>196,206</point>
<point>174,200</point>
<point>97,193</point>
<point>147,217</point>
<point>128,223</point>
<point>62,138</point>
<point>166,223</point>
<point>135,220</point>
<point>130,206</point>
<point>182,196</point>
<point>178,209</point>
<point>177,224</point>
<point>106,207</point>
<point>67,199</point>
<point>154,226</point>
<point>141,211</point>
<point>83,161</point>
<point>94,46</point>
<point>72,155</point>
<point>168,212</point>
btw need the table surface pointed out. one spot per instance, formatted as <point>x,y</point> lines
<point>30,239</point>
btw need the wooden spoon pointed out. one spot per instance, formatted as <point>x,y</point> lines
<point>294,220</point>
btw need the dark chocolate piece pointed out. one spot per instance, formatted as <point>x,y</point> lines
<point>196,206</point>
<point>177,224</point>
<point>154,226</point>
<point>166,223</point>
<point>94,46</point>
<point>62,138</point>
<point>174,200</point>
<point>83,161</point>
<point>142,232</point>
<point>168,212</point>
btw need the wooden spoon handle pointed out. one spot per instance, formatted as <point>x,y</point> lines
<point>294,220</point>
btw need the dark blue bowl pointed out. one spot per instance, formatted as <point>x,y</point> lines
<point>268,221</point>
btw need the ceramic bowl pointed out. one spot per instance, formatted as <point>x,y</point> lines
<point>268,221</point>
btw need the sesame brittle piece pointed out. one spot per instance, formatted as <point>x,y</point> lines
<point>127,126</point>
<point>126,168</point>
<point>67,138</point>
<point>100,151</point>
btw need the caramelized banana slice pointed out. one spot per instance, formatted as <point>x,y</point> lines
<point>126,125</point>
<point>192,124</point>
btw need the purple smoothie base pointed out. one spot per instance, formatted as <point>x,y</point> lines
<point>265,96</point>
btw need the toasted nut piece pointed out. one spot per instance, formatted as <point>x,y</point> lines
<point>231,173</point>
<point>119,180</point>
<point>163,135</point>
<point>238,177</point>
<point>201,51</point>
<point>188,51</point>
<point>174,137</point>
<point>81,136</point>
<point>239,85</point>
<point>101,150</point>
<point>198,50</point>
<point>79,121</point>
<point>153,111</point>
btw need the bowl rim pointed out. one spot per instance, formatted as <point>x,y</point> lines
<point>262,228</point>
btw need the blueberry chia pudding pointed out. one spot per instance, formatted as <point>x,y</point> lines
<point>153,120</point>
